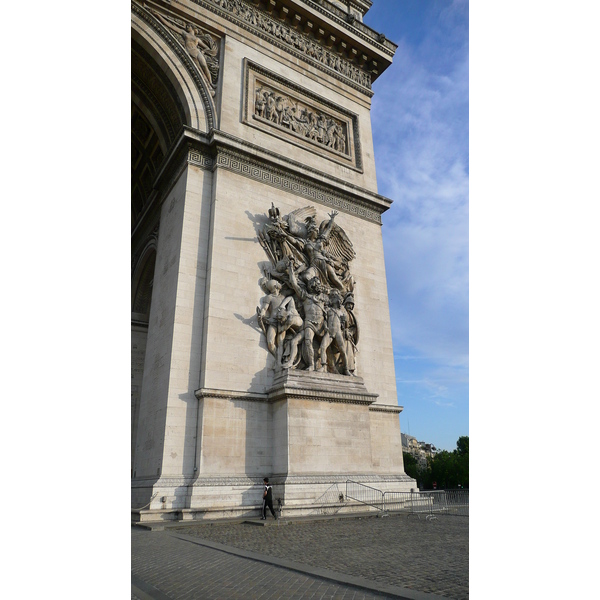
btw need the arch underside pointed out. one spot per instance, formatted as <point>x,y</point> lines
<point>167,92</point>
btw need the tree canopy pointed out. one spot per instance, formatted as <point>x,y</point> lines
<point>445,470</point>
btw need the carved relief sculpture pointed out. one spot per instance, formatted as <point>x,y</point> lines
<point>202,49</point>
<point>298,118</point>
<point>307,313</point>
<point>294,39</point>
<point>297,115</point>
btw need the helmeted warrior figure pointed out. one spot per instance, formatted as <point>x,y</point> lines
<point>309,261</point>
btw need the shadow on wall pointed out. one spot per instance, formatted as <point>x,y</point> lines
<point>330,502</point>
<point>258,221</point>
<point>257,419</point>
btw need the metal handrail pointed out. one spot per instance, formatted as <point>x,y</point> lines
<point>454,502</point>
<point>374,492</point>
<point>149,503</point>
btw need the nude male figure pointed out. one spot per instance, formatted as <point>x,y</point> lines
<point>276,315</point>
<point>191,45</point>
<point>313,302</point>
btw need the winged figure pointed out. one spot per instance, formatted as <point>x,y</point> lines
<point>311,262</point>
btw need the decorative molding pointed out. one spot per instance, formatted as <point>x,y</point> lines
<point>200,159</point>
<point>287,38</point>
<point>324,396</point>
<point>280,178</point>
<point>252,151</point>
<point>228,480</point>
<point>386,408</point>
<point>166,482</point>
<point>174,165</point>
<point>167,37</point>
<point>257,79</point>
<point>358,28</point>
<point>190,154</point>
<point>286,393</point>
<point>322,387</point>
<point>223,150</point>
<point>341,478</point>
<point>230,395</point>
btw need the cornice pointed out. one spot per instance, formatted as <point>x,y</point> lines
<point>226,151</point>
<point>245,15</point>
<point>269,167</point>
<point>358,28</point>
<point>229,395</point>
<point>286,393</point>
<point>386,408</point>
<point>223,150</point>
<point>322,387</point>
<point>339,478</point>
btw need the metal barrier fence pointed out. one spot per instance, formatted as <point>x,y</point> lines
<point>365,494</point>
<point>330,502</point>
<point>447,502</point>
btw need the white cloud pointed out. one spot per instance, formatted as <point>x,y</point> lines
<point>420,122</point>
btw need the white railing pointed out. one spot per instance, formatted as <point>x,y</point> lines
<point>365,494</point>
<point>449,502</point>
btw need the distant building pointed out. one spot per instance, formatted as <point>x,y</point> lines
<point>420,450</point>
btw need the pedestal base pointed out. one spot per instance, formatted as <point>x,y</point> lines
<point>323,429</point>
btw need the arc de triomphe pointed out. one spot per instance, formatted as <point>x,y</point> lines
<point>261,340</point>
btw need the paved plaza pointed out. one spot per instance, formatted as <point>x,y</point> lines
<point>399,556</point>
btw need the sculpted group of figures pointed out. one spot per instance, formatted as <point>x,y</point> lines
<point>300,42</point>
<point>281,110</point>
<point>307,313</point>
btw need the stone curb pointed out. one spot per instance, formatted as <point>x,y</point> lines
<point>372,586</point>
<point>145,591</point>
<point>173,525</point>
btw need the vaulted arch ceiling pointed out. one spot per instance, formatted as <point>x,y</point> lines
<point>157,118</point>
<point>167,92</point>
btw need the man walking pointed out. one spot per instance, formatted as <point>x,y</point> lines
<point>267,500</point>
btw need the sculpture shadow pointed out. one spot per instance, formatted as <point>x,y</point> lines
<point>258,220</point>
<point>251,322</point>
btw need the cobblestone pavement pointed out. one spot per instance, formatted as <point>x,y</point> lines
<point>165,567</point>
<point>425,555</point>
<point>406,552</point>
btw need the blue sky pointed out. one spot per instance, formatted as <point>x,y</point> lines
<point>420,120</point>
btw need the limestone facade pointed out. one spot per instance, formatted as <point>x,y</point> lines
<point>212,412</point>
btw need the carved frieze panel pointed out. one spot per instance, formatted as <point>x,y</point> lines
<point>286,37</point>
<point>283,109</point>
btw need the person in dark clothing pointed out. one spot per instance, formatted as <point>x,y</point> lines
<point>267,500</point>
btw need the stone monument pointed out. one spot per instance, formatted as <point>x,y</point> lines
<point>261,340</point>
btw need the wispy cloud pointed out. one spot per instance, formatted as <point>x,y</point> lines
<point>420,117</point>
<point>420,128</point>
<point>444,404</point>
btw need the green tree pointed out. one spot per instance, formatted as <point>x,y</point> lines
<point>462,461</point>
<point>462,445</point>
<point>411,468</point>
<point>449,469</point>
